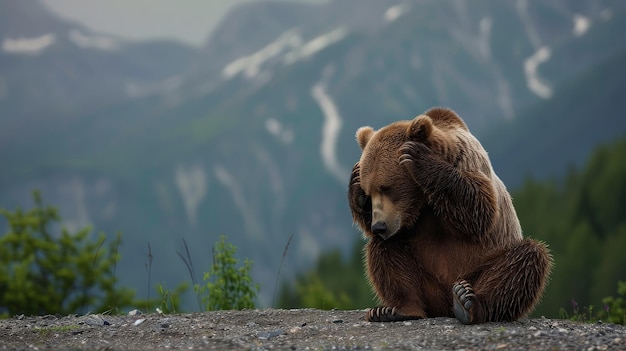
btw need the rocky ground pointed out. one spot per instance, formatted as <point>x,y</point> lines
<point>304,329</point>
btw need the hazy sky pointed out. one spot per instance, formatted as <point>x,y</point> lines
<point>188,20</point>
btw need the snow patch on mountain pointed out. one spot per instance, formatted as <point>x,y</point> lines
<point>99,42</point>
<point>288,48</point>
<point>484,37</point>
<point>192,184</point>
<point>533,80</point>
<point>394,12</point>
<point>330,132</point>
<point>251,223</point>
<point>315,45</point>
<point>581,25</point>
<point>250,65</point>
<point>275,128</point>
<point>28,46</point>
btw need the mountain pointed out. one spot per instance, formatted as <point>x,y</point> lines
<point>52,71</point>
<point>552,136</point>
<point>254,137</point>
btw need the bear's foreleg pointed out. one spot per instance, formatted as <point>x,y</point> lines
<point>506,287</point>
<point>466,200</point>
<point>360,203</point>
<point>396,277</point>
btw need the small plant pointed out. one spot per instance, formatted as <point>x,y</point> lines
<point>615,307</point>
<point>227,286</point>
<point>614,310</point>
<point>280,266</point>
<point>585,316</point>
<point>170,301</point>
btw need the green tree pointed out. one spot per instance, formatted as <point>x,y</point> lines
<point>44,273</point>
<point>227,286</point>
<point>582,220</point>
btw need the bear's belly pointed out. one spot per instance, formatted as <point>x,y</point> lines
<point>446,261</point>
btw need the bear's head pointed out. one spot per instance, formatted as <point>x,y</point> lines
<point>395,196</point>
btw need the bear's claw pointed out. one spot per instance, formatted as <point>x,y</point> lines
<point>464,301</point>
<point>385,314</point>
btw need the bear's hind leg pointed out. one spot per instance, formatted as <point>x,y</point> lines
<point>506,287</point>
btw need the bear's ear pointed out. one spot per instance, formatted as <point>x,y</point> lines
<point>420,129</point>
<point>363,136</point>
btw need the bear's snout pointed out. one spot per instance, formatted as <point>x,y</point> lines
<point>379,228</point>
<point>386,220</point>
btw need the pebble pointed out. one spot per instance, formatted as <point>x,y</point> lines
<point>165,322</point>
<point>134,312</point>
<point>270,334</point>
<point>96,320</point>
<point>294,330</point>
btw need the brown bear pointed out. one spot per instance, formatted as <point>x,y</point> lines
<point>443,236</point>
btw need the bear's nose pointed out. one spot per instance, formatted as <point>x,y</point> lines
<point>379,228</point>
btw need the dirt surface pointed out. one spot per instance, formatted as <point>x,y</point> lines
<point>304,329</point>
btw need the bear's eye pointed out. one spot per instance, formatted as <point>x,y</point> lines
<point>384,189</point>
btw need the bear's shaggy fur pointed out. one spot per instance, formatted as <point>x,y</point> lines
<point>444,238</point>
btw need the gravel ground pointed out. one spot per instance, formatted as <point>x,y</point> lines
<point>304,329</point>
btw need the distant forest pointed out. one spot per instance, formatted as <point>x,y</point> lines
<point>581,217</point>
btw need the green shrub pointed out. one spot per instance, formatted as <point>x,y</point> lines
<point>226,286</point>
<point>614,310</point>
<point>615,307</point>
<point>48,273</point>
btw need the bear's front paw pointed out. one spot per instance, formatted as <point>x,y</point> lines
<point>464,302</point>
<point>385,314</point>
<point>416,157</point>
<point>412,152</point>
<point>360,203</point>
